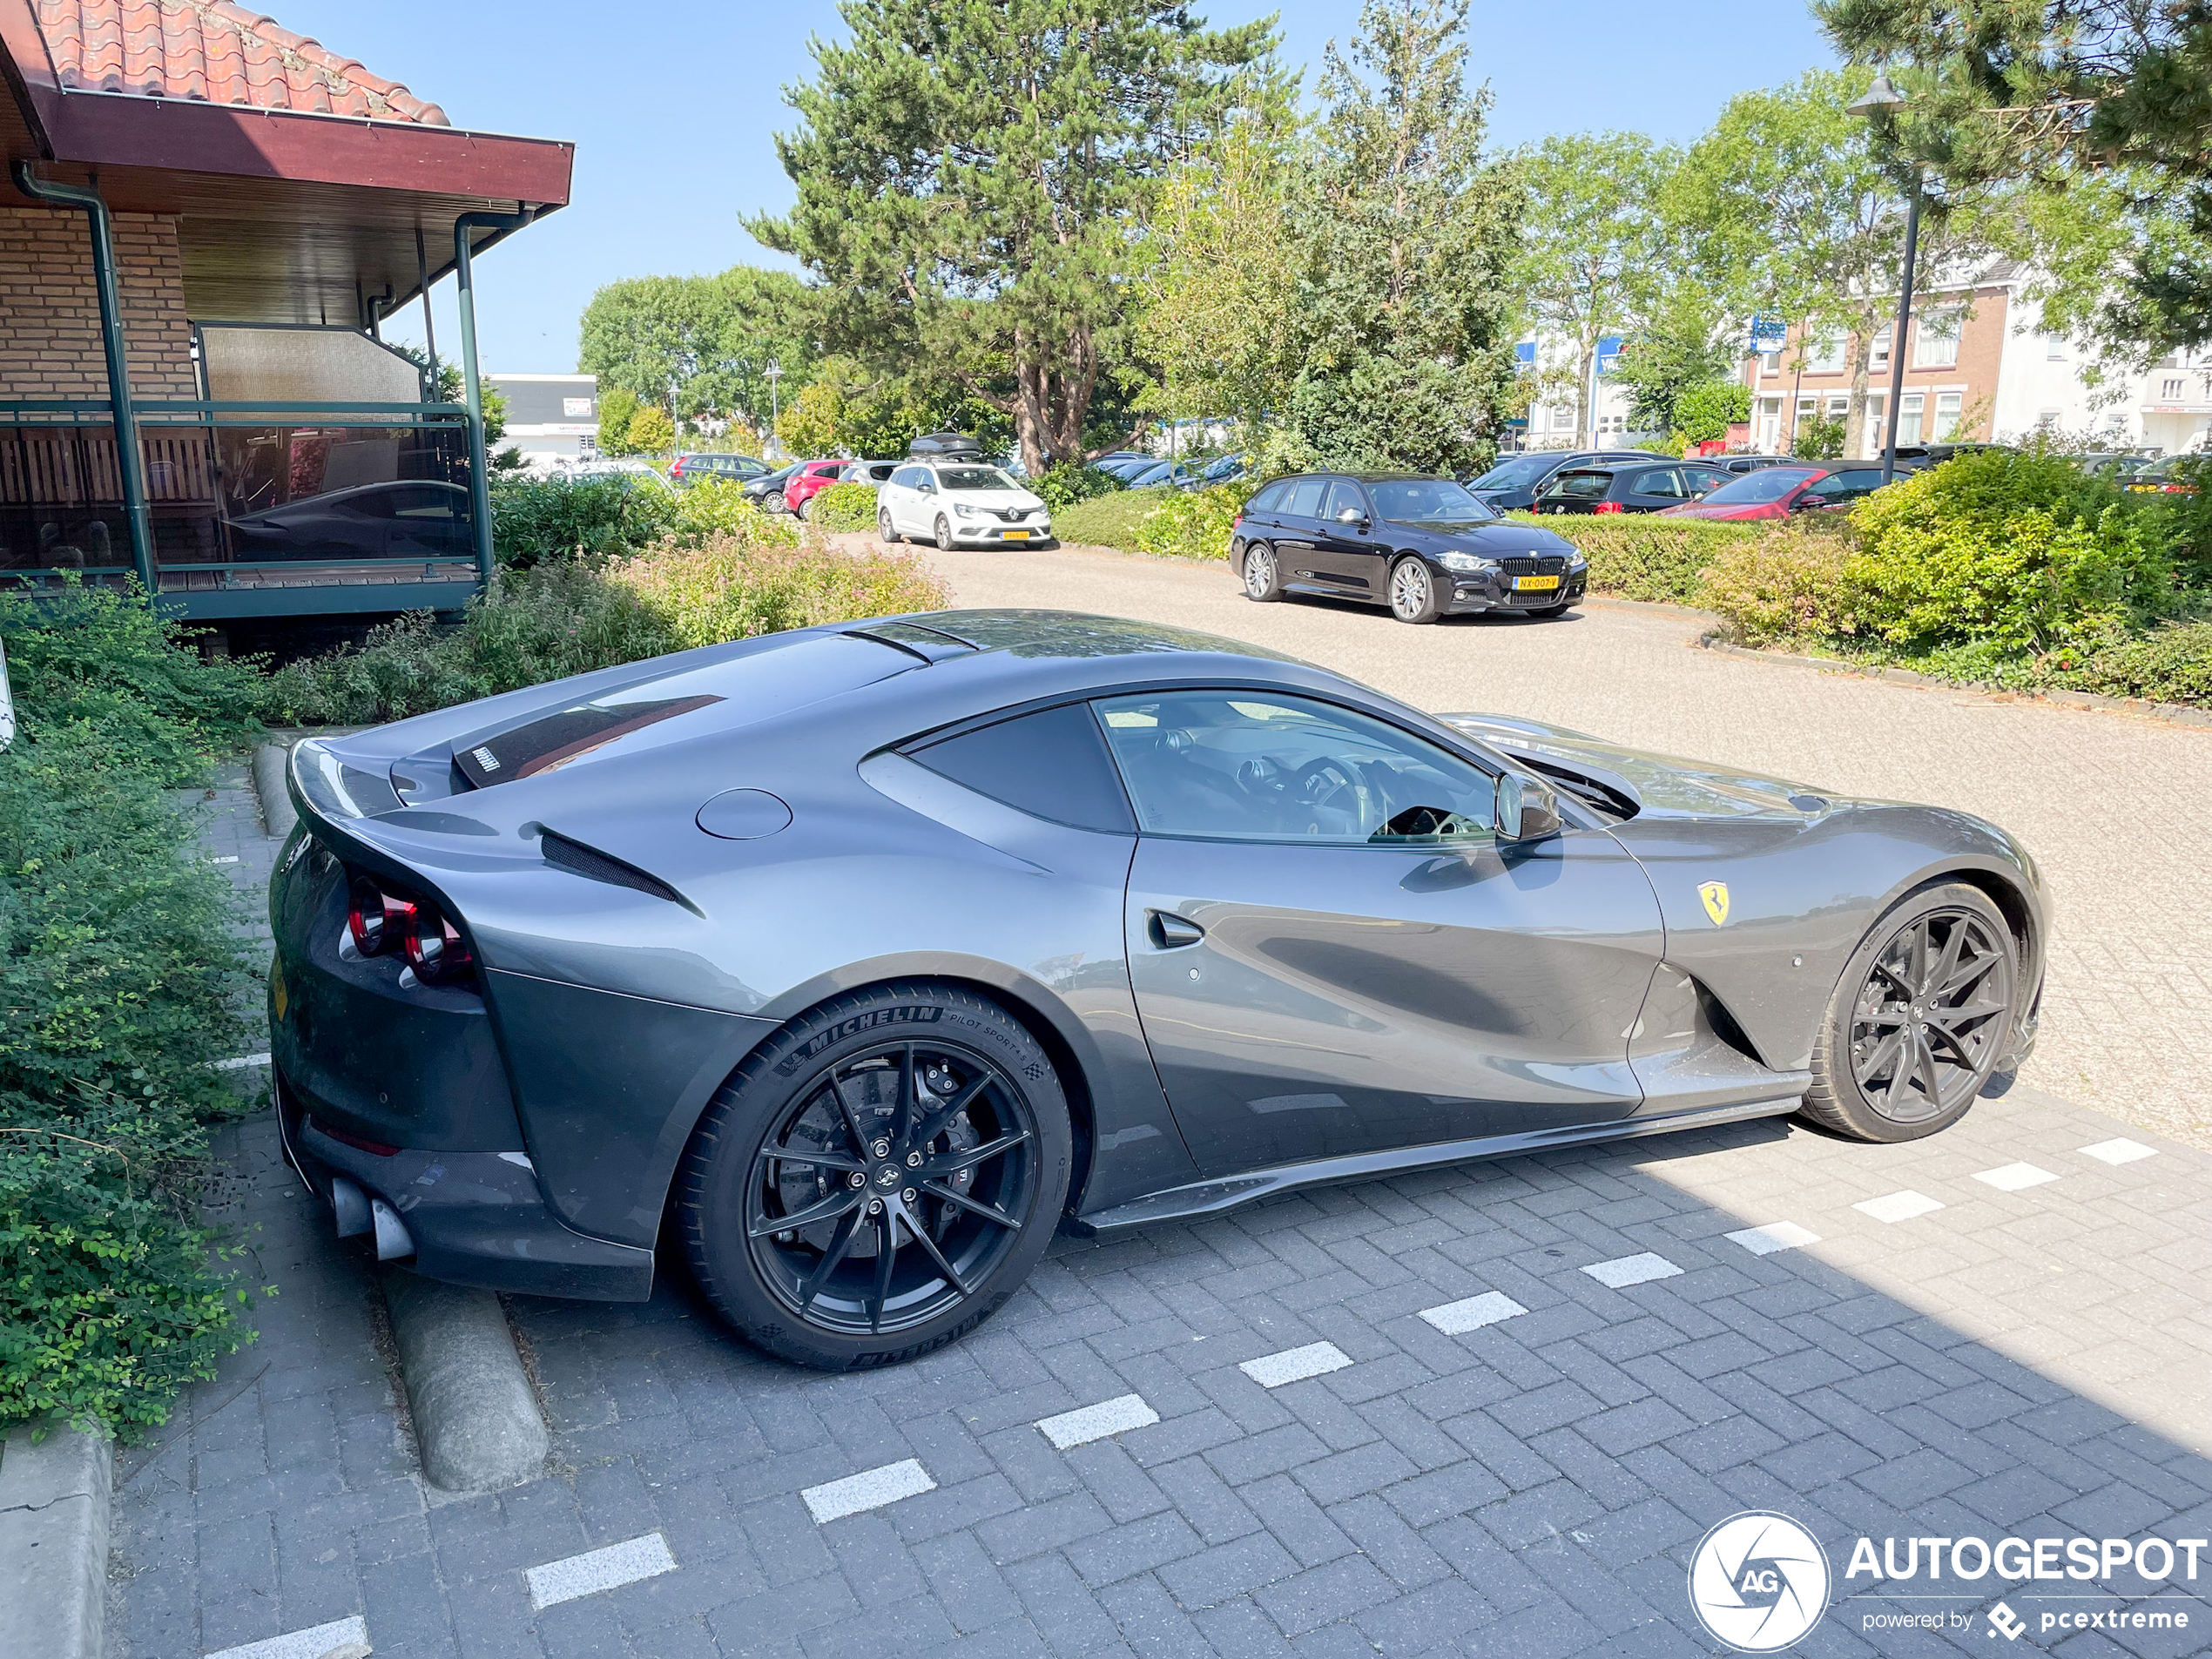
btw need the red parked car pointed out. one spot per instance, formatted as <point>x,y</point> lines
<point>810,481</point>
<point>1777,492</point>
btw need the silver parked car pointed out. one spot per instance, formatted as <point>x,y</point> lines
<point>869,955</point>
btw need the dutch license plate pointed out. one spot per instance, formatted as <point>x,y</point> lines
<point>1014,536</point>
<point>1535,584</point>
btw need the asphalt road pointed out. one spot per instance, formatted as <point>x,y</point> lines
<point>2114,808</point>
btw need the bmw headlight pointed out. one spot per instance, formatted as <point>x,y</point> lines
<point>1576,561</point>
<point>1467,564</point>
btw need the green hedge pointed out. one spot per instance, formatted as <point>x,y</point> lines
<point>122,980</point>
<point>843,506</point>
<point>1644,557</point>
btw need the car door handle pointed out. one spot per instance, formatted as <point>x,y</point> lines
<point>1172,932</point>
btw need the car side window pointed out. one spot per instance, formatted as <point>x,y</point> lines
<point>1268,501</point>
<point>1304,499</point>
<point>1658,481</point>
<point>1051,765</point>
<point>1344,493</point>
<point>1848,486</point>
<point>1260,767</point>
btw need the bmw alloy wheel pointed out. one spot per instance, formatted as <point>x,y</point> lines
<point>1260,580</point>
<point>1412,593</point>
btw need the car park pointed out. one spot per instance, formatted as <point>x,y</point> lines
<point>688,469</point>
<point>1512,484</point>
<point>1171,475</point>
<point>1750,463</point>
<point>2174,476</point>
<point>857,961</point>
<point>1641,486</point>
<point>1424,547</point>
<point>1127,467</point>
<point>875,474</point>
<point>809,480</point>
<point>952,503</point>
<point>767,492</point>
<point>1777,492</point>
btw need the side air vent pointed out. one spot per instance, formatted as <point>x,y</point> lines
<point>594,865</point>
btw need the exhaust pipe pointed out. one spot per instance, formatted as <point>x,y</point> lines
<point>357,1213</point>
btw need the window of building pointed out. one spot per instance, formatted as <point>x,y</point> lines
<point>2169,390</point>
<point>2054,348</point>
<point>2046,420</point>
<point>1908,417</point>
<point>1826,355</point>
<point>1564,418</point>
<point>1770,362</point>
<point>1948,405</point>
<point>1935,343</point>
<point>1877,355</point>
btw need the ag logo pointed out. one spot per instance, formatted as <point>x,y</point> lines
<point>1758,1581</point>
<point>1715,894</point>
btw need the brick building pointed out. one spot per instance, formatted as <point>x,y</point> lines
<point>203,219</point>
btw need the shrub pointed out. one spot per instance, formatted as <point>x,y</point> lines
<point>844,506</point>
<point>2021,552</point>
<point>573,615</point>
<point>1072,481</point>
<point>1193,524</point>
<point>120,973</point>
<point>1109,520</point>
<point>1781,587</point>
<point>537,519</point>
<point>650,432</point>
<point>718,507</point>
<point>1647,557</point>
<point>2172,663</point>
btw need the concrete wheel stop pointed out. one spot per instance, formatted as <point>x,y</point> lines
<point>476,1415</point>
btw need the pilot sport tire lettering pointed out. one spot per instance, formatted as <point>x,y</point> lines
<point>1263,578</point>
<point>878,1178</point>
<point>1412,592</point>
<point>1924,1012</point>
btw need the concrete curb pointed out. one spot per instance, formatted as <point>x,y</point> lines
<point>278,814</point>
<point>476,1418</point>
<point>2171,713</point>
<point>54,1499</point>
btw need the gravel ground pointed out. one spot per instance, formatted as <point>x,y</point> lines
<point>2112,806</point>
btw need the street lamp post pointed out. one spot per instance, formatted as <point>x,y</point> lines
<point>773,372</point>
<point>1881,101</point>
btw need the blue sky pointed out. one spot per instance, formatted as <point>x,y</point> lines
<point>673,109</point>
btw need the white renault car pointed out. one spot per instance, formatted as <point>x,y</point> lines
<point>956,501</point>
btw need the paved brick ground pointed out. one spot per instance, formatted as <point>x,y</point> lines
<point>2112,806</point>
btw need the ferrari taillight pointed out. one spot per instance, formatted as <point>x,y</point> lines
<point>435,949</point>
<point>375,918</point>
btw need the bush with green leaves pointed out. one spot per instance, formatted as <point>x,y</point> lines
<point>1071,481</point>
<point>120,981</point>
<point>1194,523</point>
<point>1645,556</point>
<point>1110,520</point>
<point>843,506</point>
<point>1783,584</point>
<point>2168,664</point>
<point>537,519</point>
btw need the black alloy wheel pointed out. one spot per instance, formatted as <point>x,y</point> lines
<point>879,1179</point>
<point>1920,1020</point>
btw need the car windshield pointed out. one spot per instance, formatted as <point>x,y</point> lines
<point>1580,483</point>
<point>1516,474</point>
<point>974,478</point>
<point>1427,501</point>
<point>1769,483</point>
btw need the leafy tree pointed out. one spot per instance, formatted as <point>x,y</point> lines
<point>2060,93</point>
<point>1406,230</point>
<point>698,346</point>
<point>618,409</point>
<point>1788,209</point>
<point>971,175</point>
<point>1705,412</point>
<point>1592,240</point>
<point>1819,437</point>
<point>650,432</point>
<point>1683,347</point>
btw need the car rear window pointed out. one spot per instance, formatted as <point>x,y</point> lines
<point>1580,483</point>
<point>1269,499</point>
<point>1756,489</point>
<point>1051,765</point>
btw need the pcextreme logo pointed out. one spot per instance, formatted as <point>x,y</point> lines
<point>1758,1581</point>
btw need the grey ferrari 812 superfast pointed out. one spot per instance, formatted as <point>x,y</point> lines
<point>852,963</point>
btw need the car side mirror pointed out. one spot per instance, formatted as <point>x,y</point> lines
<point>1804,502</point>
<point>1528,811</point>
<point>1352,516</point>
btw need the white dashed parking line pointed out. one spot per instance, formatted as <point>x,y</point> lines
<point>872,1489</point>
<point>1296,1364</point>
<point>2014,1177</point>
<point>242,1062</point>
<point>1899,1206</point>
<point>323,1640</point>
<point>599,1570</point>
<point>2119,1151</point>
<point>1089,1423</point>
<point>1456,1319</point>
<point>1632,1270</point>
<point>1775,1235</point>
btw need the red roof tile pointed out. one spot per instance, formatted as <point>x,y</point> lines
<point>215,52</point>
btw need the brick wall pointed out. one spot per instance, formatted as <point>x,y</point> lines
<point>49,315</point>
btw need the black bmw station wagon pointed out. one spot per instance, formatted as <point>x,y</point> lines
<point>1422,546</point>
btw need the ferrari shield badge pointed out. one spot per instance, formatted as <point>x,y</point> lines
<point>1715,894</point>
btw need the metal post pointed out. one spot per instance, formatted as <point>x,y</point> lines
<point>429,323</point>
<point>128,464</point>
<point>1896,334</point>
<point>465,298</point>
